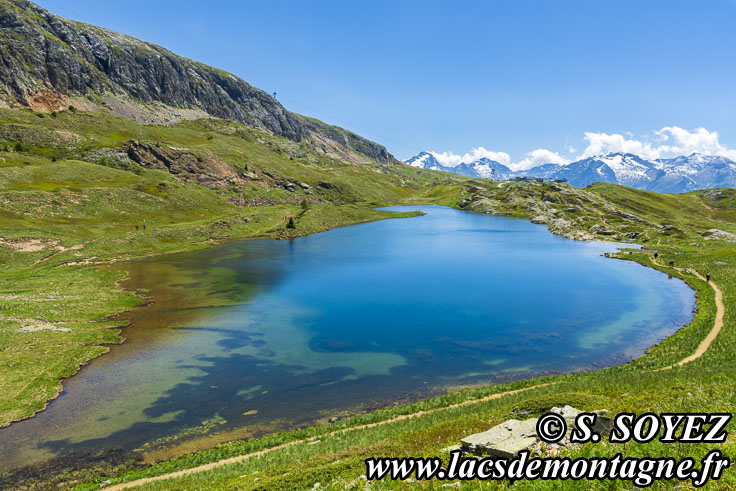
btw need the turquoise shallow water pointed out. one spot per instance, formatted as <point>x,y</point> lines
<point>258,336</point>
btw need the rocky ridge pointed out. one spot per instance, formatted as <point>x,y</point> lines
<point>48,63</point>
<point>566,210</point>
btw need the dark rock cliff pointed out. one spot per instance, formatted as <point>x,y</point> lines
<point>45,58</point>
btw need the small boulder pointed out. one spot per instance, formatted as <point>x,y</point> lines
<point>603,424</point>
<point>568,412</point>
<point>505,440</point>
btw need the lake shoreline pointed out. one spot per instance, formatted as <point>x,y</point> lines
<point>115,287</point>
<point>484,384</point>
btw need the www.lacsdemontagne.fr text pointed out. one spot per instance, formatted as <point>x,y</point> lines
<point>640,471</point>
<point>551,427</point>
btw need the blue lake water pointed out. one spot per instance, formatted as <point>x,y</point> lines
<point>258,336</point>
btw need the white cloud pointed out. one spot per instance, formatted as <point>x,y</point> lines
<point>450,159</point>
<point>672,141</point>
<point>687,142</point>
<point>532,159</point>
<point>603,143</point>
<point>538,157</point>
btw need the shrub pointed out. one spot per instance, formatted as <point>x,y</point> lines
<point>291,223</point>
<point>72,109</point>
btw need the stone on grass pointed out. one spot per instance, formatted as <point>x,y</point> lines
<point>717,234</point>
<point>505,440</point>
<point>603,424</point>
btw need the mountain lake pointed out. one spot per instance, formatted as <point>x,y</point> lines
<point>258,336</point>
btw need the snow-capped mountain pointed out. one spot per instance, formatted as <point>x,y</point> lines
<point>544,171</point>
<point>485,168</point>
<point>616,168</point>
<point>696,171</point>
<point>425,160</point>
<point>676,175</point>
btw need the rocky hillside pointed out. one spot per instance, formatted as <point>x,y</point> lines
<point>48,63</point>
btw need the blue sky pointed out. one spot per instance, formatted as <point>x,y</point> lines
<point>508,76</point>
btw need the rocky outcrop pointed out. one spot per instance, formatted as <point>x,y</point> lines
<point>45,60</point>
<point>717,234</point>
<point>203,169</point>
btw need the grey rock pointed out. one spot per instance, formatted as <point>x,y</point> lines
<point>717,234</point>
<point>603,424</point>
<point>568,412</point>
<point>505,440</point>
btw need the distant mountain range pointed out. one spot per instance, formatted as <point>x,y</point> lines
<point>676,175</point>
<point>485,168</point>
